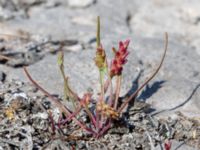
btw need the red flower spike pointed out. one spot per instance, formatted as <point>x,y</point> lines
<point>119,59</point>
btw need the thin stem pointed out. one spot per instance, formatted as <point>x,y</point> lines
<point>97,119</point>
<point>105,129</point>
<point>106,84</point>
<point>98,32</point>
<point>71,116</point>
<point>110,102</point>
<point>68,93</point>
<point>101,75</point>
<point>67,90</point>
<point>149,79</point>
<point>102,85</point>
<point>117,91</point>
<point>57,102</point>
<point>52,122</point>
<point>59,122</point>
<point>98,115</point>
<point>90,116</point>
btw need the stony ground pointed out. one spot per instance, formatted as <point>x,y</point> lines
<point>31,32</point>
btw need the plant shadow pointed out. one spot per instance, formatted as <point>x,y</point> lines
<point>150,90</point>
<point>146,93</point>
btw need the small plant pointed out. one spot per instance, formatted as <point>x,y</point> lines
<point>106,108</point>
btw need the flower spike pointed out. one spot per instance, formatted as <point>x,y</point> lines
<point>119,59</point>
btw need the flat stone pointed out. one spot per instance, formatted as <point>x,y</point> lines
<point>175,16</point>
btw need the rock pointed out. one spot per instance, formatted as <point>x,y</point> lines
<point>177,15</point>
<point>76,23</point>
<point>80,3</point>
<point>61,30</point>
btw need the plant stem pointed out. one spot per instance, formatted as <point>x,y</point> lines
<point>57,103</point>
<point>90,116</point>
<point>52,122</point>
<point>117,91</point>
<point>110,102</point>
<point>98,32</point>
<point>101,76</point>
<point>101,83</point>
<point>106,85</point>
<point>68,93</point>
<point>105,129</point>
<point>149,79</point>
<point>97,119</point>
<point>71,116</point>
